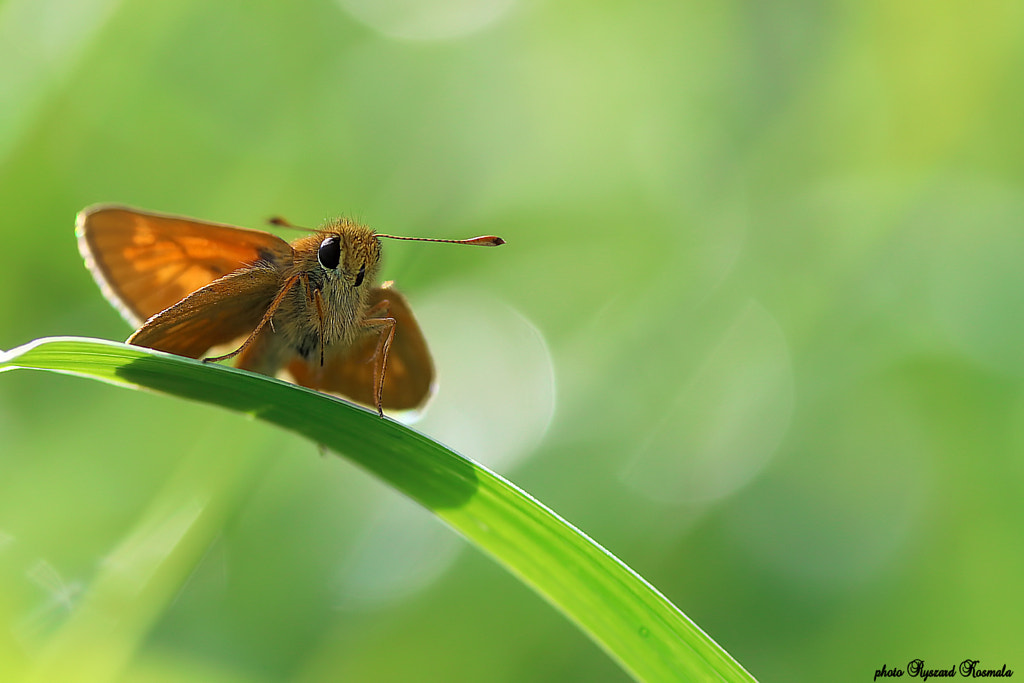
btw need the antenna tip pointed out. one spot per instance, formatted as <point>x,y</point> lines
<point>487,241</point>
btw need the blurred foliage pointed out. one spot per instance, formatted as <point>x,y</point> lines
<point>615,607</point>
<point>768,253</point>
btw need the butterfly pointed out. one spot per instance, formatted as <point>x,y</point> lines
<point>311,307</point>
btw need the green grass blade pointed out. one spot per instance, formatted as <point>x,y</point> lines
<point>620,611</point>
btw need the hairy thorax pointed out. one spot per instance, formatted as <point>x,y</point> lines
<point>325,305</point>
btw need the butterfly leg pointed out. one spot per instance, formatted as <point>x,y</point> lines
<point>289,283</point>
<point>378,310</point>
<point>320,315</point>
<point>386,329</point>
<point>313,298</point>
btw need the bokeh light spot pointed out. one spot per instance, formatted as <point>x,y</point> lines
<point>496,380</point>
<point>727,420</point>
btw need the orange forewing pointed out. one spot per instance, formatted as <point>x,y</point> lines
<point>223,311</point>
<point>408,377</point>
<point>147,262</point>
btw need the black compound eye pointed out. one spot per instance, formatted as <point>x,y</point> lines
<point>361,275</point>
<point>329,254</point>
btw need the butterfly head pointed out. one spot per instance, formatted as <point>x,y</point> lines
<point>347,253</point>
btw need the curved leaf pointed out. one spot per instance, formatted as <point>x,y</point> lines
<point>620,611</point>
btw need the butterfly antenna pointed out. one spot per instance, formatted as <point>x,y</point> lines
<point>482,241</point>
<point>282,222</point>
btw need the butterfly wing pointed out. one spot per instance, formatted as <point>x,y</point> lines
<point>146,262</point>
<point>408,376</point>
<point>224,310</point>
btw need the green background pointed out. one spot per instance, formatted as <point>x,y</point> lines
<point>758,328</point>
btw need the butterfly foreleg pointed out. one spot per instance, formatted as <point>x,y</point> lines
<point>267,317</point>
<point>386,329</point>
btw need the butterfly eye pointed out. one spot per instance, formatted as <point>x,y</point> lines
<point>361,275</point>
<point>329,254</point>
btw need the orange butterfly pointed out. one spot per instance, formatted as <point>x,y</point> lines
<point>310,306</point>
